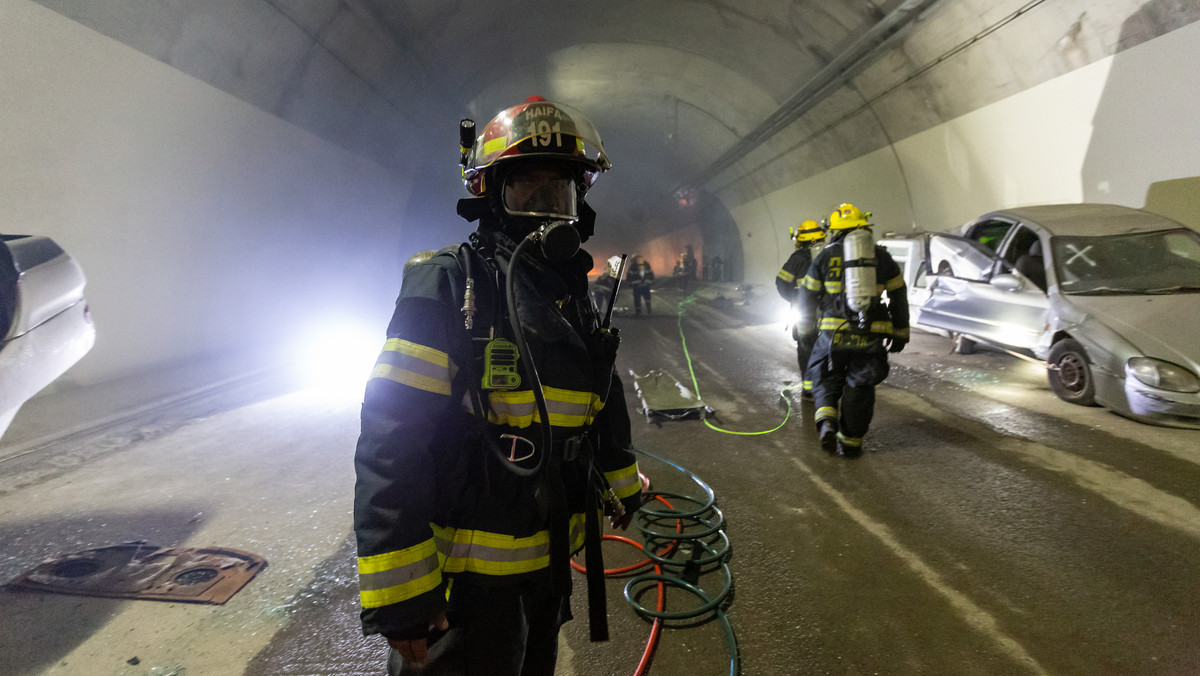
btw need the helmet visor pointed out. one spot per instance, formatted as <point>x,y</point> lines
<point>541,189</point>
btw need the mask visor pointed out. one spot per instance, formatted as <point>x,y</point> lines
<point>545,191</point>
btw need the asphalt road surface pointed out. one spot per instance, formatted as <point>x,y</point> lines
<point>988,528</point>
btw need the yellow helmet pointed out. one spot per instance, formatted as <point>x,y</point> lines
<point>809,231</point>
<point>848,217</point>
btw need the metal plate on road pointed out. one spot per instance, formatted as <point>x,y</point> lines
<point>136,570</point>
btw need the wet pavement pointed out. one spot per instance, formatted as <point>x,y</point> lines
<point>989,528</point>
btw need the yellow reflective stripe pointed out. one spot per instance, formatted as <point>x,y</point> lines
<point>567,408</point>
<point>900,333</point>
<point>786,276</point>
<point>414,365</point>
<point>806,385</point>
<point>578,531</point>
<point>397,576</point>
<point>515,409</point>
<point>477,551</point>
<point>624,482</point>
<point>833,287</point>
<point>825,412</point>
<point>495,145</point>
<point>838,324</point>
<point>811,283</point>
<point>850,441</point>
<point>894,283</point>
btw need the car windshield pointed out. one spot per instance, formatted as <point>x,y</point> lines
<point>1165,261</point>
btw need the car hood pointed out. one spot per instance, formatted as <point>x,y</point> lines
<point>1164,327</point>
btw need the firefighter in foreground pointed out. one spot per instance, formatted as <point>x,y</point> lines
<point>494,422</point>
<point>809,239</point>
<point>841,303</point>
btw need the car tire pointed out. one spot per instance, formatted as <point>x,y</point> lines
<point>1070,373</point>
<point>963,344</point>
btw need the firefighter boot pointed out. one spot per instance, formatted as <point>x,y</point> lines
<point>828,434</point>
<point>847,448</point>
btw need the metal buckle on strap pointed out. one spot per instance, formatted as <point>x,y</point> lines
<point>570,448</point>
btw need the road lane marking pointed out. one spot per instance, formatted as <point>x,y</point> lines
<point>976,617</point>
<point>1119,488</point>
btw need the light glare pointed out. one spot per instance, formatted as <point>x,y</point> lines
<point>338,359</point>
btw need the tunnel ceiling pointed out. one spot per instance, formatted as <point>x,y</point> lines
<point>687,93</point>
<point>671,85</point>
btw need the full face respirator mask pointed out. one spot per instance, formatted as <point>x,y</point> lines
<point>544,199</point>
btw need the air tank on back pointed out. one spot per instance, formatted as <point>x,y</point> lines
<point>858,272</point>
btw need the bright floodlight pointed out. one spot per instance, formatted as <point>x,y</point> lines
<point>338,359</point>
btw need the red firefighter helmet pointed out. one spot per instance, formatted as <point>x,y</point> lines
<point>539,129</point>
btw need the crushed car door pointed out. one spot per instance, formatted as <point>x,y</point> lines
<point>976,294</point>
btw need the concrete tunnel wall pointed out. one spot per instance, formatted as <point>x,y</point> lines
<point>1112,131</point>
<point>206,226</point>
<point>141,172</point>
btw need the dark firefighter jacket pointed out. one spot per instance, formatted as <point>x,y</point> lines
<point>792,273</point>
<point>431,501</point>
<point>823,305</point>
<point>641,275</point>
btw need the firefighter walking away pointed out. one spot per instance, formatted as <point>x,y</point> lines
<point>809,239</point>
<point>841,306</point>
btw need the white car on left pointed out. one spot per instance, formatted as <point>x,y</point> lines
<point>45,324</point>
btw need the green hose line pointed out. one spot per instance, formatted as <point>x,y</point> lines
<point>695,386</point>
<point>710,539</point>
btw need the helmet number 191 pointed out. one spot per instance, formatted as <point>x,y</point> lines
<point>541,132</point>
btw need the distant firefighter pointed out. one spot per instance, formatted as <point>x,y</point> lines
<point>641,278</point>
<point>603,286</point>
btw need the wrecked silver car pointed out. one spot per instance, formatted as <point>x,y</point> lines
<point>45,324</point>
<point>1107,296</point>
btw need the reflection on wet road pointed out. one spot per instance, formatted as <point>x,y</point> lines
<point>987,529</point>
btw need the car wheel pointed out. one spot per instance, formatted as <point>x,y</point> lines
<point>963,344</point>
<point>1070,374</point>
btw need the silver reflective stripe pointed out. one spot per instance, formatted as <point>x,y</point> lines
<point>624,482</point>
<point>398,576</point>
<point>504,406</point>
<point>567,408</point>
<point>414,365</point>
<point>474,550</point>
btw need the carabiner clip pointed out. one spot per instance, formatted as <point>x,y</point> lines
<point>512,451</point>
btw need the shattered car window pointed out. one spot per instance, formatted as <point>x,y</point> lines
<point>1166,261</point>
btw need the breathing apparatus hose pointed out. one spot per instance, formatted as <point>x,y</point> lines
<point>529,369</point>
<point>681,309</point>
<point>699,529</point>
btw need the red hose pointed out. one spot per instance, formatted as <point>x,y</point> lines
<point>656,627</point>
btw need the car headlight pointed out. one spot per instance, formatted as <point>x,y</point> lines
<point>1162,374</point>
